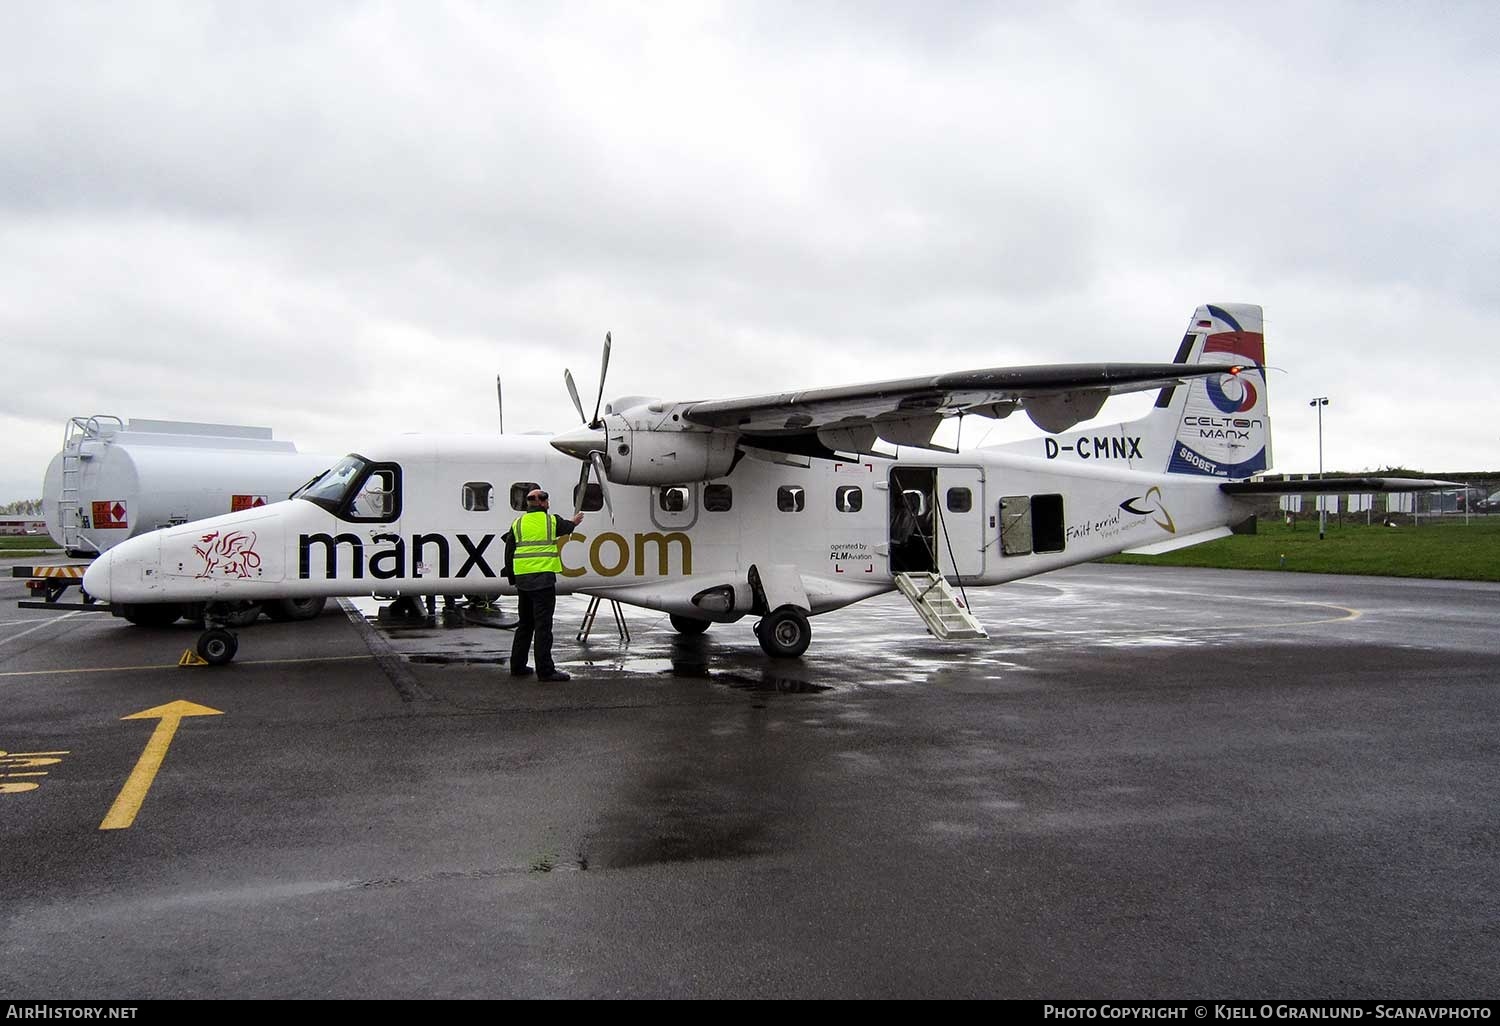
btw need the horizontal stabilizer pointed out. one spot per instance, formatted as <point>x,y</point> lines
<point>1173,544</point>
<point>1337,485</point>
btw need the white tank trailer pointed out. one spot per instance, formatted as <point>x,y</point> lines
<point>115,479</point>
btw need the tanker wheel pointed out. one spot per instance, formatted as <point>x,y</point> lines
<point>785,634</point>
<point>688,626</point>
<point>217,646</point>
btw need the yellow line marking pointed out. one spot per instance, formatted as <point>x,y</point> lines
<point>38,773</point>
<point>122,813</point>
<point>173,666</point>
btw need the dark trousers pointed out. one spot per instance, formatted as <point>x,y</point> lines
<point>536,619</point>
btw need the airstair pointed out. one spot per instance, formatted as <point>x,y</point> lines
<point>945,614</point>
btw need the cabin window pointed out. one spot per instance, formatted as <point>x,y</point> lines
<point>916,501</point>
<point>960,500</point>
<point>518,494</point>
<point>849,499</point>
<point>378,498</point>
<point>718,498</point>
<point>673,500</point>
<point>1032,523</point>
<point>590,499</point>
<point>791,498</point>
<point>477,495</point>
<point>1047,533</point>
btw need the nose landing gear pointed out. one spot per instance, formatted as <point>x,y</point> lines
<point>217,646</point>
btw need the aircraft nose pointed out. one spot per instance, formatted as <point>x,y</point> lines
<point>581,441</point>
<point>96,578</point>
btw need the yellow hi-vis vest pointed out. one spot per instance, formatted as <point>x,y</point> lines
<point>536,544</point>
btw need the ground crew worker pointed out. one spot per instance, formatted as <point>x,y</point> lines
<point>532,563</point>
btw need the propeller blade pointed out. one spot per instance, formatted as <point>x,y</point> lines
<point>581,492</point>
<point>603,372</point>
<point>573,391</point>
<point>596,460</point>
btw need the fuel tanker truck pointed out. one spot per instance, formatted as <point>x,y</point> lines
<point>116,479</point>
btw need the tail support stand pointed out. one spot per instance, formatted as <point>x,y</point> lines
<point>593,611</point>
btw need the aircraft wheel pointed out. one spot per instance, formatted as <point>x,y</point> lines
<point>283,610</point>
<point>153,614</point>
<point>688,626</point>
<point>217,646</point>
<point>785,634</point>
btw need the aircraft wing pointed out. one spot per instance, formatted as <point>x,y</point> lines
<point>907,410</point>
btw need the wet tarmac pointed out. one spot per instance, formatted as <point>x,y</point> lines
<point>1148,783</point>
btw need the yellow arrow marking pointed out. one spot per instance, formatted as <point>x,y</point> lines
<point>122,813</point>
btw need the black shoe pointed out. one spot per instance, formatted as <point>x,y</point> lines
<point>554,675</point>
<point>521,671</point>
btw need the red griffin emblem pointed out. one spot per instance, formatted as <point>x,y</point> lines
<point>233,555</point>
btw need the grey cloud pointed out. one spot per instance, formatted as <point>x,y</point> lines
<point>367,209</point>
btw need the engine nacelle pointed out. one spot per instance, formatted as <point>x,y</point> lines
<point>650,444</point>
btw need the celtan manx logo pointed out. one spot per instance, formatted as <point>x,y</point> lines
<point>1150,505</point>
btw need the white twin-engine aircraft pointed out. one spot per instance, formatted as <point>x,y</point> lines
<point>777,507</point>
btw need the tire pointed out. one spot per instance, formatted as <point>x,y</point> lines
<point>785,634</point>
<point>285,610</point>
<point>217,646</point>
<point>688,626</point>
<point>152,614</point>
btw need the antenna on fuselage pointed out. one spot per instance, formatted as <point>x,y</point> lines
<point>500,404</point>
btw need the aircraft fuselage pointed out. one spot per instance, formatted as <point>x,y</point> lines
<point>991,516</point>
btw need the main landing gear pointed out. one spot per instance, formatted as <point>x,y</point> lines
<point>688,626</point>
<point>784,633</point>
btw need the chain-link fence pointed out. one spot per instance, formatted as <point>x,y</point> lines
<point>1475,498</point>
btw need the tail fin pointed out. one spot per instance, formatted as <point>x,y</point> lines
<point>1216,426</point>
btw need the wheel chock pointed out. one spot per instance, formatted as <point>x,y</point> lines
<point>191,658</point>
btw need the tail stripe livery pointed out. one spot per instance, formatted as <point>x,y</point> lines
<point>1223,429</point>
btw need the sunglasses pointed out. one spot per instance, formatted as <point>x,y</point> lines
<point>539,496</point>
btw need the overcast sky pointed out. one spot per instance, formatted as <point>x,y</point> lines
<point>341,220</point>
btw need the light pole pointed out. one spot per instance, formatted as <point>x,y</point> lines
<point>1320,402</point>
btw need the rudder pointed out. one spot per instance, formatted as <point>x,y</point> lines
<point>1221,424</point>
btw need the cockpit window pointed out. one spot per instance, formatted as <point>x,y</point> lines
<point>305,485</point>
<point>356,489</point>
<point>329,490</point>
